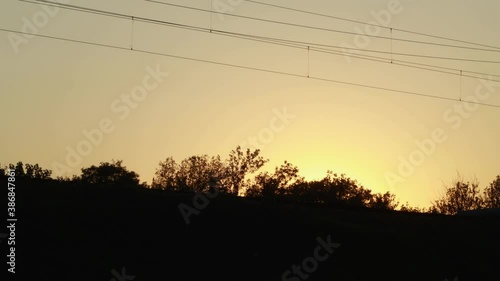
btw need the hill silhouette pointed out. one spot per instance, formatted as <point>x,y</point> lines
<point>85,233</point>
<point>190,224</point>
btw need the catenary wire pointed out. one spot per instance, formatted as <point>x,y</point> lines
<point>252,68</point>
<point>282,42</point>
<point>316,27</point>
<point>370,24</point>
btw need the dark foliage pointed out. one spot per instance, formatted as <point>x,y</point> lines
<point>107,174</point>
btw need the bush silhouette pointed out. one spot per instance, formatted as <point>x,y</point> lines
<point>459,196</point>
<point>492,194</point>
<point>109,175</point>
<point>27,171</point>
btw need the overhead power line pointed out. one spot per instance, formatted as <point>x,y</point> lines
<point>421,66</point>
<point>271,40</point>
<point>408,64</point>
<point>318,28</point>
<point>124,16</point>
<point>379,52</point>
<point>370,24</point>
<point>252,68</point>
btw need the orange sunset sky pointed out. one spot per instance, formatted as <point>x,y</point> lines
<point>148,106</point>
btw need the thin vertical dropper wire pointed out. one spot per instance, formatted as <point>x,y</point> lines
<point>308,61</point>
<point>460,96</point>
<point>211,15</point>
<point>132,34</point>
<point>391,47</point>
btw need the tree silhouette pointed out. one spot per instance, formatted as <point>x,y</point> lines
<point>36,172</point>
<point>384,201</point>
<point>460,196</point>
<point>342,190</point>
<point>18,168</point>
<point>333,190</point>
<point>28,171</point>
<point>241,164</point>
<point>200,173</point>
<point>407,208</point>
<point>492,194</point>
<point>310,192</point>
<point>166,175</point>
<point>196,173</point>
<point>279,184</point>
<point>109,175</point>
<point>218,175</point>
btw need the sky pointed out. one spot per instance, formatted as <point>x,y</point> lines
<point>67,105</point>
